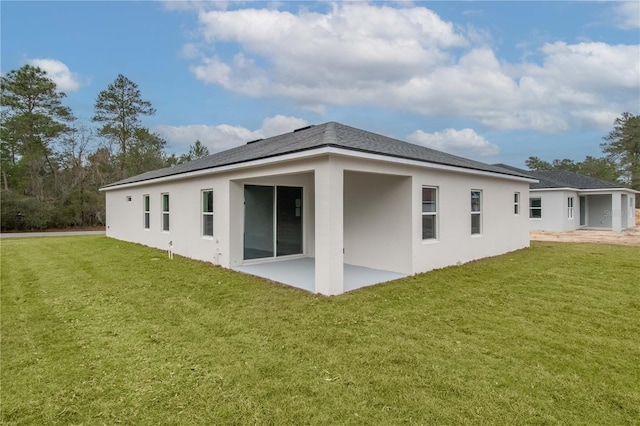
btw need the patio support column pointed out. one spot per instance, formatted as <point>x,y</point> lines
<point>329,233</point>
<point>616,212</point>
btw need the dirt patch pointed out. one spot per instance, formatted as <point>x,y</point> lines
<point>628,237</point>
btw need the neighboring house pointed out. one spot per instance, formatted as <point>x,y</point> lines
<point>565,201</point>
<point>327,208</point>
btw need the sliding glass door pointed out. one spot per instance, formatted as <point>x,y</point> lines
<point>272,221</point>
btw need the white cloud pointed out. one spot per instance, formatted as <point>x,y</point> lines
<point>596,118</point>
<point>223,136</point>
<point>627,15</point>
<point>355,47</point>
<point>464,142</point>
<point>65,80</point>
<point>410,59</point>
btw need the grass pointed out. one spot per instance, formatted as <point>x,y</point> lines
<point>97,331</point>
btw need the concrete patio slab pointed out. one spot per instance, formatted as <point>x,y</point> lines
<point>300,273</point>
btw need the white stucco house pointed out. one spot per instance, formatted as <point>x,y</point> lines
<point>565,201</point>
<point>327,208</point>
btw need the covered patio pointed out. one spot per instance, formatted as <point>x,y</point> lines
<point>301,273</point>
<point>612,210</point>
<point>324,229</point>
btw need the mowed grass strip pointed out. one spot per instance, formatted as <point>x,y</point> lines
<point>98,331</point>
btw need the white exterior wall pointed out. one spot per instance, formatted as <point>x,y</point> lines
<point>501,230</point>
<point>607,209</point>
<point>359,211</point>
<point>555,215</point>
<point>125,220</point>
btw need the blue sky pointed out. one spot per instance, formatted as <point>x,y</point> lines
<point>493,81</point>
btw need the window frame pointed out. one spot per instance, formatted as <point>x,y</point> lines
<point>146,211</point>
<point>206,214</point>
<point>477,213</point>
<point>516,204</point>
<point>433,214</point>
<point>165,213</point>
<point>532,208</point>
<point>570,205</point>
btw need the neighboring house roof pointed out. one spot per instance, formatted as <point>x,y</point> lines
<point>550,179</point>
<point>313,137</point>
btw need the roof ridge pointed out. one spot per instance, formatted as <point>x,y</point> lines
<point>330,137</point>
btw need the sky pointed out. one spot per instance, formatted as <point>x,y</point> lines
<point>497,82</point>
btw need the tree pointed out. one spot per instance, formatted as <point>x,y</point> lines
<point>32,119</point>
<point>600,168</point>
<point>534,163</point>
<point>146,152</point>
<point>119,108</point>
<point>76,189</point>
<point>623,146</point>
<point>197,150</point>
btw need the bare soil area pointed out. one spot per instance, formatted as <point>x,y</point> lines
<point>628,237</point>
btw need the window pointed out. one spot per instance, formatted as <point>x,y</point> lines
<point>429,213</point>
<point>476,212</point>
<point>535,208</point>
<point>570,208</point>
<point>165,212</point>
<point>145,207</point>
<point>516,203</point>
<point>207,213</point>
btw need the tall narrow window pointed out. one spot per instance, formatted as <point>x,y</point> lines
<point>535,208</point>
<point>207,213</point>
<point>147,214</point>
<point>570,208</point>
<point>429,213</point>
<point>165,212</point>
<point>516,203</point>
<point>476,212</point>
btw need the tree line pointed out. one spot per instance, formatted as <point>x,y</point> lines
<point>52,164</point>
<point>620,163</point>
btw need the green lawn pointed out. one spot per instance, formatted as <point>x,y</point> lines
<point>97,331</point>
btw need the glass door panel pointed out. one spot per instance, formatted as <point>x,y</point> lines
<point>288,220</point>
<point>258,221</point>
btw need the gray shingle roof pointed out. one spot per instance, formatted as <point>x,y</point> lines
<point>549,179</point>
<point>313,137</point>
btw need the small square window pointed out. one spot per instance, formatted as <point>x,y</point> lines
<point>535,208</point>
